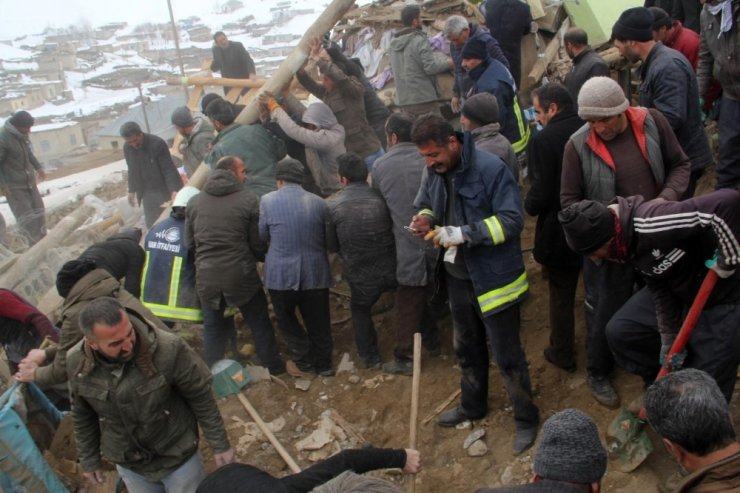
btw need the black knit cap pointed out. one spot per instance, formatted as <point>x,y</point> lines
<point>70,273</point>
<point>22,119</point>
<point>588,225</point>
<point>660,18</point>
<point>240,478</point>
<point>481,108</point>
<point>634,24</point>
<point>475,48</point>
<point>290,170</point>
<point>570,449</point>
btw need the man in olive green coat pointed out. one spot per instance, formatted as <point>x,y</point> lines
<point>138,396</point>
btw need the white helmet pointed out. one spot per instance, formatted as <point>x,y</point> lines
<point>184,195</point>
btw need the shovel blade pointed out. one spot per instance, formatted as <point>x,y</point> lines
<point>627,442</point>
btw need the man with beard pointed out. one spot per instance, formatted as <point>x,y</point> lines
<point>139,395</point>
<point>586,62</point>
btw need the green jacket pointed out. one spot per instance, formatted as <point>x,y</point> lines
<point>143,414</point>
<point>257,147</point>
<point>415,67</point>
<point>93,285</point>
<point>18,165</point>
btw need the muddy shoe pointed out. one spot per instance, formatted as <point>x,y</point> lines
<point>396,367</point>
<point>524,439</point>
<point>296,372</point>
<point>452,417</point>
<point>327,372</point>
<point>569,366</point>
<point>603,391</point>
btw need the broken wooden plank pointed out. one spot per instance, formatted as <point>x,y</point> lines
<point>441,407</point>
<point>347,427</point>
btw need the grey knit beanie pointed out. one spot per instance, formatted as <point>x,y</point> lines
<point>482,108</point>
<point>289,170</point>
<point>601,97</point>
<point>570,449</point>
<point>182,117</point>
<point>351,482</point>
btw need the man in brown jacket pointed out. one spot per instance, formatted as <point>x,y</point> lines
<point>221,229</point>
<point>692,417</point>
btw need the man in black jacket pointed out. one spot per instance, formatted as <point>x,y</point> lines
<point>668,84</point>
<point>121,256</point>
<point>669,244</point>
<point>361,230</point>
<point>152,176</point>
<point>554,110</point>
<point>509,21</point>
<point>231,59</point>
<point>586,62</point>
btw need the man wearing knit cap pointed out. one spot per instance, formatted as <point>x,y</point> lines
<point>19,170</point>
<point>480,117</point>
<point>719,58</point>
<point>297,272</point>
<point>670,244</point>
<point>620,151</point>
<point>674,35</point>
<point>570,458</point>
<point>197,135</point>
<point>489,75</point>
<point>668,84</point>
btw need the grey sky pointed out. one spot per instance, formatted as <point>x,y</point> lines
<point>21,17</point>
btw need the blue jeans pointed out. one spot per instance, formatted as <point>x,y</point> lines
<point>185,479</point>
<point>217,330</point>
<point>370,160</point>
<point>502,328</point>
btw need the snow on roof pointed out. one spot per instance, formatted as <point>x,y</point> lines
<point>13,53</point>
<point>52,126</point>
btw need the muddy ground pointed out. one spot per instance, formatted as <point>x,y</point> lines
<point>377,406</point>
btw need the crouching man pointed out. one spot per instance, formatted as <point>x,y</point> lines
<point>138,395</point>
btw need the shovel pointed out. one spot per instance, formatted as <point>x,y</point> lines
<point>626,438</point>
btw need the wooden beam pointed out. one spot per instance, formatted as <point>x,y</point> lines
<point>201,80</point>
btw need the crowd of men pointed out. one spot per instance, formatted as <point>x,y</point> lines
<point>411,204</point>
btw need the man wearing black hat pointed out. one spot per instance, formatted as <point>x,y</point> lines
<point>489,75</point>
<point>621,151</point>
<point>197,135</point>
<point>18,171</point>
<point>668,84</point>
<point>297,272</point>
<point>669,243</point>
<point>570,458</point>
<point>480,117</point>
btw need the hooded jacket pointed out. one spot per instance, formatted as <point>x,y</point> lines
<point>491,76</point>
<point>488,208</point>
<point>121,256</point>
<point>669,85</point>
<point>323,145</point>
<point>146,417</point>
<point>415,67</point>
<point>222,229</point>
<point>93,285</point>
<point>257,147</point>
<point>668,243</point>
<point>18,165</point>
<point>195,147</point>
<point>719,53</point>
<point>347,103</point>
<point>489,138</point>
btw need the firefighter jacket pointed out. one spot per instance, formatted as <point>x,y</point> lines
<point>168,278</point>
<point>488,208</point>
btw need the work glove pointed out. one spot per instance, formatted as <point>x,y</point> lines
<point>448,236</point>
<point>677,360</point>
<point>267,99</point>
<point>723,271</point>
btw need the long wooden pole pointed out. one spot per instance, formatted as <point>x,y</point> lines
<point>284,73</point>
<point>270,436</point>
<point>201,80</point>
<point>414,418</point>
